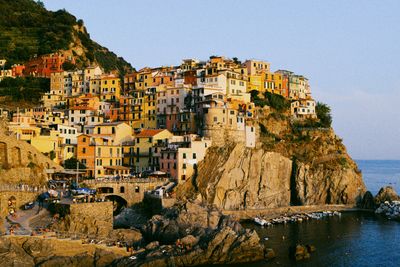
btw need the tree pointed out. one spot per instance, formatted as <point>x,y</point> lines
<point>52,155</point>
<point>277,102</point>
<point>71,163</point>
<point>324,114</point>
<point>68,66</point>
<point>40,3</point>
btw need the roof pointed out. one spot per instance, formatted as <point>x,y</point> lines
<point>116,167</point>
<point>149,132</point>
<point>115,123</point>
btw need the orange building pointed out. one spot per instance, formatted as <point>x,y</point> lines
<point>18,70</point>
<point>43,66</point>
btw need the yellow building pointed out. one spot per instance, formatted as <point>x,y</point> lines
<point>24,132</point>
<point>145,150</point>
<point>255,82</point>
<point>273,83</point>
<point>119,131</point>
<point>144,79</point>
<point>110,88</point>
<point>101,156</point>
<point>144,108</point>
<point>49,143</point>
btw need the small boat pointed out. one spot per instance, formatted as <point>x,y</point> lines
<point>261,221</point>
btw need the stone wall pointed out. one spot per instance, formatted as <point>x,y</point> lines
<point>87,218</point>
<point>22,163</point>
<point>132,192</point>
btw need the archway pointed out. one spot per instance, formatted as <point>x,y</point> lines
<point>118,202</point>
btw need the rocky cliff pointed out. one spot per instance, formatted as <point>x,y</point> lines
<point>36,251</point>
<point>292,164</point>
<point>20,162</point>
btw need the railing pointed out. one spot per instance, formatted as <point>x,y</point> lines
<point>124,180</point>
<point>22,188</point>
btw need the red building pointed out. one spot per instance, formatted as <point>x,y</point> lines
<point>43,66</point>
<point>17,70</point>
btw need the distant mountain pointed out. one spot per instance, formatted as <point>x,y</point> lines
<point>28,29</point>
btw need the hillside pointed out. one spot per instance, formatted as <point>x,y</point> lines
<point>28,29</point>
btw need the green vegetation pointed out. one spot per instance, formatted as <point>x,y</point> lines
<point>323,112</point>
<point>24,88</point>
<point>68,66</point>
<point>28,29</point>
<point>278,102</point>
<point>31,165</point>
<point>71,164</point>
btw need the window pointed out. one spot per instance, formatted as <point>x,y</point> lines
<point>83,150</point>
<point>174,165</point>
<point>137,189</point>
<point>184,155</point>
<point>194,155</point>
<point>184,166</point>
<point>215,119</point>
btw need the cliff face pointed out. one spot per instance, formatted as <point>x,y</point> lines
<point>22,163</point>
<point>289,166</point>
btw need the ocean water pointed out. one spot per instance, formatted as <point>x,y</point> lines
<point>353,239</point>
<point>379,173</point>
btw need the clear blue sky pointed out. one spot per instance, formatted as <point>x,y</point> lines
<point>350,50</point>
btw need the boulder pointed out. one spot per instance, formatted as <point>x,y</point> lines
<point>386,194</point>
<point>367,202</point>
<point>189,240</point>
<point>129,236</point>
<point>269,254</point>
<point>299,252</point>
<point>152,245</point>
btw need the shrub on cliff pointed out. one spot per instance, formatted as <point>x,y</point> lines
<point>323,112</point>
<point>24,88</point>
<point>277,102</point>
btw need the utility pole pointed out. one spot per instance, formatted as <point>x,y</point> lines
<point>77,170</point>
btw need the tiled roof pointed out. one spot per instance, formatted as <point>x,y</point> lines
<point>149,132</point>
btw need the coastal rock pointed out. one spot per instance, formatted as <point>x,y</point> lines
<point>35,251</point>
<point>236,177</point>
<point>222,246</point>
<point>239,178</point>
<point>192,240</point>
<point>368,201</point>
<point>390,210</point>
<point>269,254</point>
<point>386,194</point>
<point>300,252</point>
<point>321,185</point>
<point>129,236</point>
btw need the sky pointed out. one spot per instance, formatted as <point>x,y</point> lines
<point>349,50</point>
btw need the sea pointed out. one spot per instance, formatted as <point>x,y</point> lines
<point>353,239</point>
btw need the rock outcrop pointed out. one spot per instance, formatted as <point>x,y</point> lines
<point>192,234</point>
<point>390,210</point>
<point>20,162</point>
<point>287,167</point>
<point>35,251</point>
<point>386,194</point>
<point>367,202</point>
